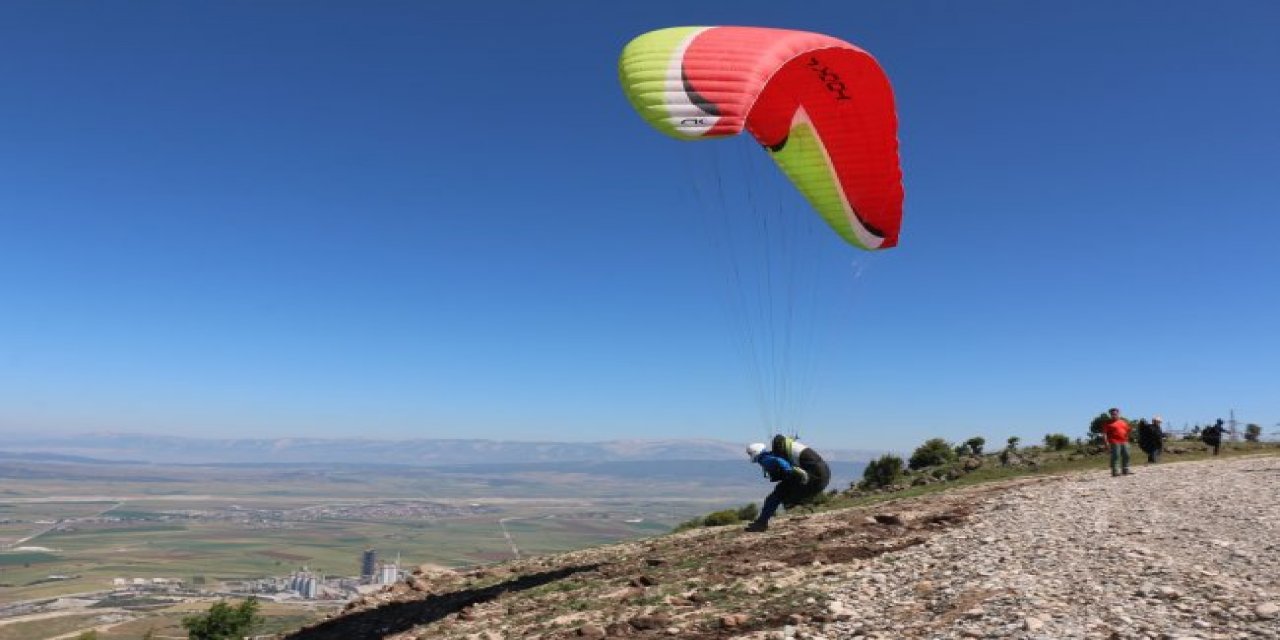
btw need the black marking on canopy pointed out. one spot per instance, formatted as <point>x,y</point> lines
<point>708,107</point>
<point>872,229</point>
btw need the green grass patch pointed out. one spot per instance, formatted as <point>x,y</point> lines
<point>26,557</point>
<point>133,514</point>
<point>46,628</point>
<point>108,530</point>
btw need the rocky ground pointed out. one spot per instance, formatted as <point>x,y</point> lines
<point>1188,550</point>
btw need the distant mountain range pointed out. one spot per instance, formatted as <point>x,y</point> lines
<point>115,447</point>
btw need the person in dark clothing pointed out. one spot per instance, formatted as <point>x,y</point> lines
<point>800,472</point>
<point>1151,439</point>
<point>1212,436</point>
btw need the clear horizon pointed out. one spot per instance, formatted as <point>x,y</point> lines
<point>410,220</point>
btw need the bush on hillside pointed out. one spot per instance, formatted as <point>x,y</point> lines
<point>882,472</point>
<point>1057,441</point>
<point>1012,444</point>
<point>1252,433</point>
<point>721,518</point>
<point>975,445</point>
<point>692,523</point>
<point>1096,425</point>
<point>933,452</point>
<point>223,621</point>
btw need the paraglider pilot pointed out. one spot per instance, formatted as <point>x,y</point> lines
<point>800,472</point>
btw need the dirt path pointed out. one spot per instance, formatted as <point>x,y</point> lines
<point>1189,550</point>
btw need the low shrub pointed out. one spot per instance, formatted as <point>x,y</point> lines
<point>1057,441</point>
<point>882,472</point>
<point>933,452</point>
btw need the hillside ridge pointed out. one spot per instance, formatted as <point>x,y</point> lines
<point>1037,557</point>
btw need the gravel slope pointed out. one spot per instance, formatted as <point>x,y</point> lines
<point>1173,552</point>
<point>1187,550</point>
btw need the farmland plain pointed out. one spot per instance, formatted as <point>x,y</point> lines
<point>76,530</point>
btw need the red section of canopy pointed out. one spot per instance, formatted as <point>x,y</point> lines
<point>759,78</point>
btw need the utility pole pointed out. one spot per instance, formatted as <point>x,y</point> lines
<point>1231,424</point>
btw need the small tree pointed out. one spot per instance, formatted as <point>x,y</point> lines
<point>933,452</point>
<point>1057,441</point>
<point>1252,432</point>
<point>1012,444</point>
<point>975,445</point>
<point>224,622</point>
<point>882,472</point>
<point>1096,427</point>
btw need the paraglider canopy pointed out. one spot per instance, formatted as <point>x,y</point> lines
<point>822,107</point>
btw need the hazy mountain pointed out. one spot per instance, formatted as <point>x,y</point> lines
<point>423,451</point>
<point>38,456</point>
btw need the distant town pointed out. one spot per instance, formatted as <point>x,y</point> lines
<point>259,517</point>
<point>302,584</point>
<point>297,587</point>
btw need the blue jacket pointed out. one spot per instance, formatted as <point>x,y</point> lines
<point>776,467</point>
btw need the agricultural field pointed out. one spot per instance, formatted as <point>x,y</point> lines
<point>76,532</point>
<point>217,551</point>
<point>164,623</point>
<point>43,628</point>
<point>72,530</point>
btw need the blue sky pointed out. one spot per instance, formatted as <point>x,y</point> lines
<point>413,219</point>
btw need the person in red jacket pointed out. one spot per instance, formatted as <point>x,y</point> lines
<point>1117,434</point>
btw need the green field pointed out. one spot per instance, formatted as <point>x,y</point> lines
<point>165,623</point>
<point>223,551</point>
<point>88,533</point>
<point>46,628</point>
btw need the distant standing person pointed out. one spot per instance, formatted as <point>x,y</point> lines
<point>1212,436</point>
<point>1116,433</point>
<point>1151,439</point>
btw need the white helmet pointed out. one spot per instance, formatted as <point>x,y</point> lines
<point>754,450</point>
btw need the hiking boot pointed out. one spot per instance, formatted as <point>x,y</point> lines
<point>1126,472</point>
<point>1115,473</point>
<point>756,527</point>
